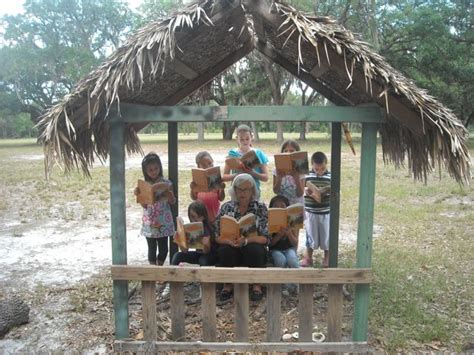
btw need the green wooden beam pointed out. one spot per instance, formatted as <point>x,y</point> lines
<point>335,193</point>
<point>142,113</point>
<point>118,226</point>
<point>173,175</point>
<point>365,227</point>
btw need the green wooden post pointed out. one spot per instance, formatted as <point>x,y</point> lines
<point>173,175</point>
<point>118,224</point>
<point>335,193</point>
<point>365,227</point>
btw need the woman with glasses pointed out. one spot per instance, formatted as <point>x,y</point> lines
<point>251,251</point>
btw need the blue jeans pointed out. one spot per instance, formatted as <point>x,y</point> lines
<point>285,258</point>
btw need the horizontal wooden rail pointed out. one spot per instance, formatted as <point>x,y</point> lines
<point>143,346</point>
<point>241,275</point>
<point>143,113</point>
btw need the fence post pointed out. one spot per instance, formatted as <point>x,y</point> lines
<point>118,224</point>
<point>365,227</point>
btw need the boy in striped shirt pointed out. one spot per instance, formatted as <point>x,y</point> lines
<point>317,213</point>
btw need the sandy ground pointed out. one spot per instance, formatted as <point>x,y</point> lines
<point>58,256</point>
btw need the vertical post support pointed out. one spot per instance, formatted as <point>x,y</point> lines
<point>118,224</point>
<point>365,227</point>
<point>173,175</point>
<point>335,193</point>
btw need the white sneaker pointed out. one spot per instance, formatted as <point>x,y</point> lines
<point>166,291</point>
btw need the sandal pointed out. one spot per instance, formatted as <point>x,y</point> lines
<point>225,295</point>
<point>306,262</point>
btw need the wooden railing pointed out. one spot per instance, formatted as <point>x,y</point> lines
<point>241,278</point>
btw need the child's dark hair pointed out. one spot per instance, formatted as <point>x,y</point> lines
<point>319,158</point>
<point>149,159</point>
<point>277,198</point>
<point>292,143</point>
<point>200,209</point>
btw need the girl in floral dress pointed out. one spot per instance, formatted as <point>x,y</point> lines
<point>157,220</point>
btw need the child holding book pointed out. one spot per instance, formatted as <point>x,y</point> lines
<point>244,143</point>
<point>317,213</point>
<point>283,244</point>
<point>157,221</point>
<point>212,198</point>
<point>290,186</point>
<point>197,212</point>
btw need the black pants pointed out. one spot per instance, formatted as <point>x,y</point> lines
<point>251,255</point>
<point>194,257</point>
<point>162,244</point>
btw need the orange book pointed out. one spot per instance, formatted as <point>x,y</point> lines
<point>207,179</point>
<point>317,193</point>
<point>291,216</point>
<point>249,160</point>
<point>292,162</point>
<point>189,235</point>
<point>150,193</point>
<point>245,227</point>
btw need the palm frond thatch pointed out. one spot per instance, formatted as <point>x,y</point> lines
<point>205,34</point>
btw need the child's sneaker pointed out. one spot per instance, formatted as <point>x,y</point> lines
<point>306,262</point>
<point>166,291</point>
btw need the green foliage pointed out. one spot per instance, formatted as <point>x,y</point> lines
<point>53,44</point>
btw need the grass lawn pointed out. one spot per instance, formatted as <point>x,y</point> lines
<point>423,266</point>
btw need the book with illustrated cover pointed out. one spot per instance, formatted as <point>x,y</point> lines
<point>289,217</point>
<point>289,163</point>
<point>207,179</point>
<point>317,193</point>
<point>245,227</point>
<point>189,235</point>
<point>249,160</point>
<point>150,193</point>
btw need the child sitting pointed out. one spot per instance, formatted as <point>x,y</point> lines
<point>283,244</point>
<point>197,212</point>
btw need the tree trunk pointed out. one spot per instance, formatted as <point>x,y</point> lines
<point>227,131</point>
<point>200,131</point>
<point>255,131</point>
<point>13,312</point>
<point>302,131</point>
<point>279,132</point>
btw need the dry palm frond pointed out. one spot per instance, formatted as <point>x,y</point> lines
<point>76,130</point>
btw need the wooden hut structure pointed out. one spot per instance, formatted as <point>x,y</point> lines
<point>164,62</point>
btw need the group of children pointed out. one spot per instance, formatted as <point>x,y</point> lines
<point>158,226</point>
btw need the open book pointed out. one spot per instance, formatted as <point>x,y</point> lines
<point>291,216</point>
<point>189,235</point>
<point>245,227</point>
<point>249,160</point>
<point>207,179</point>
<point>317,193</point>
<point>292,162</point>
<point>150,193</point>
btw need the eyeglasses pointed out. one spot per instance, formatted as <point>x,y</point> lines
<point>238,189</point>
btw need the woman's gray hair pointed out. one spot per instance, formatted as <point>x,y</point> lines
<point>239,180</point>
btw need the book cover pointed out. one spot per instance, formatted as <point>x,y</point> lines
<point>249,160</point>
<point>291,216</point>
<point>289,163</point>
<point>146,195</point>
<point>232,229</point>
<point>318,193</point>
<point>150,193</point>
<point>207,179</point>
<point>189,235</point>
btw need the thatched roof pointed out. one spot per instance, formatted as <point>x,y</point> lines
<point>166,61</point>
